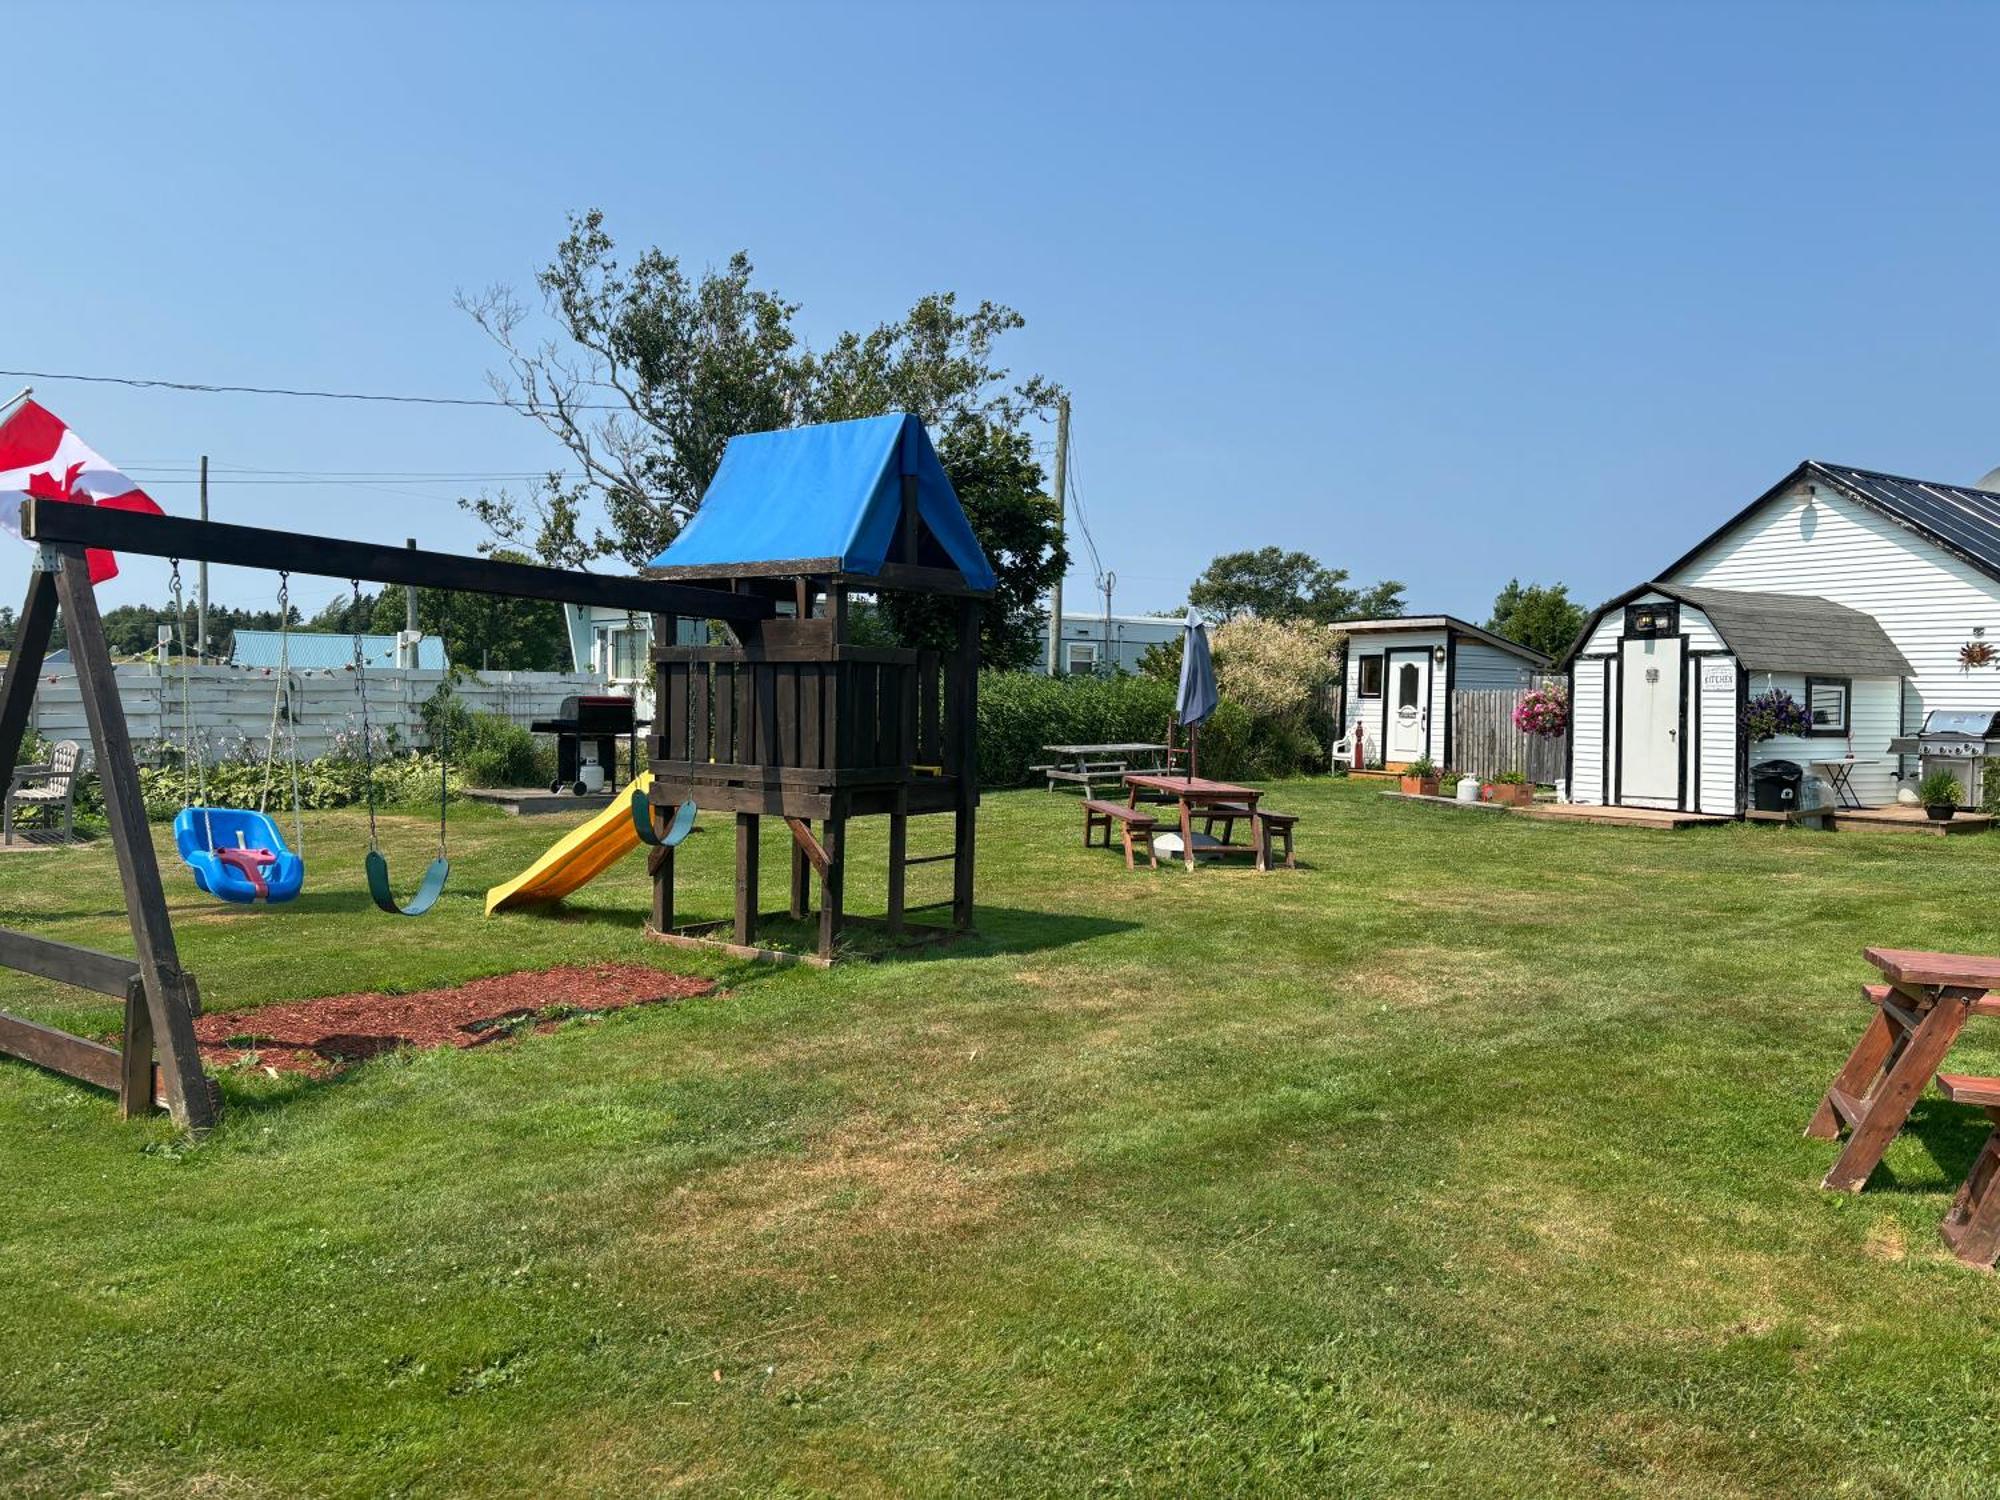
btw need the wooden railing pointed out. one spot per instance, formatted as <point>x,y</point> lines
<point>867,714</point>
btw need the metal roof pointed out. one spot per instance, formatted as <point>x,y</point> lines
<point>1964,521</point>
<point>1443,622</point>
<point>317,650</point>
<point>1782,632</point>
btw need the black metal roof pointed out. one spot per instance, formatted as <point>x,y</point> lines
<point>1962,520</point>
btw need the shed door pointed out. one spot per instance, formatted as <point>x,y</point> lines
<point>1649,721</point>
<point>1408,735</point>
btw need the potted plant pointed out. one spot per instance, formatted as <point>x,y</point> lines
<point>1420,778</point>
<point>1510,788</point>
<point>1939,793</point>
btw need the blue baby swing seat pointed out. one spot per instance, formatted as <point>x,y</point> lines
<point>238,854</point>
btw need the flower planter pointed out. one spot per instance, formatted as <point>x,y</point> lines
<point>1940,812</point>
<point>1510,793</point>
<point>1419,786</point>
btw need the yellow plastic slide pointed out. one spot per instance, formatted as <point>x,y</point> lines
<point>576,859</point>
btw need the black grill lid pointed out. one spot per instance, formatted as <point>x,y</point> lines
<point>1960,723</point>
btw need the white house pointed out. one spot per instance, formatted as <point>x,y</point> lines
<point>1661,675</point>
<point>1922,558</point>
<point>1086,646</point>
<point>1401,674</point>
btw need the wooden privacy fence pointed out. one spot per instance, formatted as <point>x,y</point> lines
<point>1485,741</point>
<point>227,705</point>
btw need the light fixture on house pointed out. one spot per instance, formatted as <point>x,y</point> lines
<point>1437,655</point>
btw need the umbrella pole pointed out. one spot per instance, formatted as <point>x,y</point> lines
<point>1194,750</point>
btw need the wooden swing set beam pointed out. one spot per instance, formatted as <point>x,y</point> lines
<point>65,523</point>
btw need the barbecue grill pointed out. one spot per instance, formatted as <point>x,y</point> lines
<point>1958,740</point>
<point>587,731</point>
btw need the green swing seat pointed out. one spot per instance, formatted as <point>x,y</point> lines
<point>642,821</point>
<point>428,889</point>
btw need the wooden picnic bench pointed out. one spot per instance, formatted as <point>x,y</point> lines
<point>1086,766</point>
<point>1972,1226</point>
<point>1917,1016</point>
<point>1136,826</point>
<point>1194,795</point>
<point>1269,825</point>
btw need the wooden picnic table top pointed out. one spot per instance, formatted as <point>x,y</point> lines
<point>1915,966</point>
<point>1191,787</point>
<point>1100,749</point>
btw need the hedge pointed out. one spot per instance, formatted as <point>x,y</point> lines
<point>1019,712</point>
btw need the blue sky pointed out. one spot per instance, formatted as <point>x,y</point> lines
<point>1441,293</point>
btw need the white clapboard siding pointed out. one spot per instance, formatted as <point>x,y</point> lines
<point>1476,667</point>
<point>1714,714</point>
<point>1928,601</point>
<point>1586,717</point>
<point>1873,711</point>
<point>225,705</point>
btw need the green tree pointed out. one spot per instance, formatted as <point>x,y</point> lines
<point>1541,617</point>
<point>654,370</point>
<point>482,630</point>
<point>1279,585</point>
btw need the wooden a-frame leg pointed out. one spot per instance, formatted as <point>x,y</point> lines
<point>1878,1041</point>
<point>138,1080</point>
<point>171,997</point>
<point>1972,1228</point>
<point>1126,829</point>
<point>1889,1103</point>
<point>1187,835</point>
<point>24,670</point>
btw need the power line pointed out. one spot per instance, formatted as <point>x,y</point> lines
<point>205,388</point>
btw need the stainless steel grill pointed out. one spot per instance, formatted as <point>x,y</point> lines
<point>1959,740</point>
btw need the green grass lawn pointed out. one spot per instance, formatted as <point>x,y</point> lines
<point>1465,1161</point>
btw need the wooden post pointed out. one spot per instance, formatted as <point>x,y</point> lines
<point>899,843</point>
<point>660,865</point>
<point>832,883</point>
<point>746,877</point>
<point>135,1079</point>
<point>24,669</point>
<point>965,733</point>
<point>801,904</point>
<point>171,997</point>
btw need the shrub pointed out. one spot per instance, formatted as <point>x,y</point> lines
<point>492,751</point>
<point>1940,789</point>
<point>1278,671</point>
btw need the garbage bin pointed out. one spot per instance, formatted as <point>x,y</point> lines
<point>1774,786</point>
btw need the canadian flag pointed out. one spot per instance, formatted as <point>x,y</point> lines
<point>40,457</point>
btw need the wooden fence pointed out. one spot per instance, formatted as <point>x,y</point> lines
<point>231,706</point>
<point>1485,741</point>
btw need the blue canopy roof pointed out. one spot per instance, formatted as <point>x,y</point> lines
<point>829,498</point>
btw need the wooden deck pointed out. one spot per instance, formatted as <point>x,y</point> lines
<point>1900,819</point>
<point>1620,817</point>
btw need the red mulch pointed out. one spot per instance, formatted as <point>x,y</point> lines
<point>324,1035</point>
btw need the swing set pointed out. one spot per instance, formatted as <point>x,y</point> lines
<point>159,1063</point>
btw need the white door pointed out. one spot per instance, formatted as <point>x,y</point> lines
<point>1408,735</point>
<point>1649,728</point>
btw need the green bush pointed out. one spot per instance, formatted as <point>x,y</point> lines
<point>1019,712</point>
<point>340,780</point>
<point>492,751</point>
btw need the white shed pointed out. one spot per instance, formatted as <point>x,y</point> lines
<point>1401,674</point>
<point>1661,676</point>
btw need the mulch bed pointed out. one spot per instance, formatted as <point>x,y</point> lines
<point>321,1036</point>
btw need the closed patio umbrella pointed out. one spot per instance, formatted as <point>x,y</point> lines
<point>1197,697</point>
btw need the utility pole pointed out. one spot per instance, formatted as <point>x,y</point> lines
<point>1062,524</point>
<point>1108,580</point>
<point>406,656</point>
<point>201,581</point>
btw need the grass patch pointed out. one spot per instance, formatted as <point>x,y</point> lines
<point>1466,1159</point>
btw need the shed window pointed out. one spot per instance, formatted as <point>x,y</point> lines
<point>1371,677</point>
<point>1827,704</point>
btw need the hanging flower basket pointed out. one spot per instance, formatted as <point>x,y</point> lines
<point>1773,713</point>
<point>1976,654</point>
<point>1543,711</point>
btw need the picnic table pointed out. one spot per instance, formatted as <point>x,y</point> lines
<point>1194,794</point>
<point>1918,1015</point>
<point>1087,765</point>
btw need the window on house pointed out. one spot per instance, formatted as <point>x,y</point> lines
<point>1371,677</point>
<point>1082,656</point>
<point>1406,685</point>
<point>621,653</point>
<point>1827,704</point>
